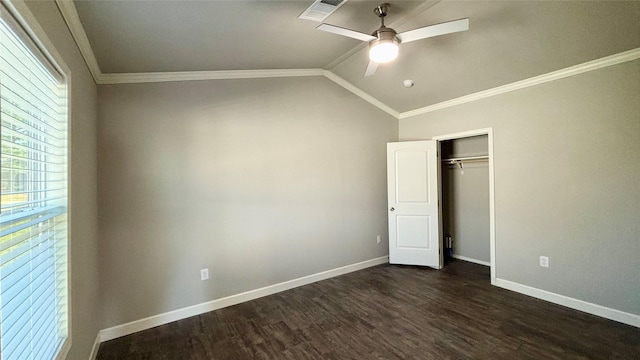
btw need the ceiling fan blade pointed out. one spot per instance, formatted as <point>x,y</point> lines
<point>434,30</point>
<point>345,32</point>
<point>371,68</point>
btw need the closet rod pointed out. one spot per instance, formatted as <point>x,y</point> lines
<point>466,159</point>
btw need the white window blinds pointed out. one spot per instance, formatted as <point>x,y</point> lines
<point>33,216</point>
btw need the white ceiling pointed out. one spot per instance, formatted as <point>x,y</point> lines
<point>508,41</point>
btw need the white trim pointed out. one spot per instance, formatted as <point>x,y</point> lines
<point>462,134</point>
<point>356,90</point>
<point>95,348</point>
<point>161,319</point>
<point>492,189</point>
<point>356,49</point>
<point>594,309</point>
<point>64,349</point>
<point>21,13</point>
<point>132,78</point>
<point>127,78</point>
<point>619,58</point>
<point>471,260</point>
<point>492,207</point>
<point>70,15</point>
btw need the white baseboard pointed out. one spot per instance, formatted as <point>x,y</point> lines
<point>94,349</point>
<point>475,261</point>
<point>161,319</point>
<point>594,309</point>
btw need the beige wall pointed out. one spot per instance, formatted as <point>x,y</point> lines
<point>83,183</point>
<point>262,181</point>
<point>267,180</point>
<point>567,169</point>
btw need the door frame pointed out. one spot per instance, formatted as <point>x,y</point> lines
<point>492,215</point>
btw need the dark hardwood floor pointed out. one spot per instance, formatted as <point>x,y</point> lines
<point>388,312</point>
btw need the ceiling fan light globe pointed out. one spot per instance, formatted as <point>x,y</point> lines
<point>383,51</point>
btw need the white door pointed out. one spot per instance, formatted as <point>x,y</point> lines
<point>414,222</point>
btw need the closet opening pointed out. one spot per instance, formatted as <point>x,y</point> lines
<point>466,193</point>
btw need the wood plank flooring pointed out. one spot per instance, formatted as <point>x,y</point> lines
<point>387,312</point>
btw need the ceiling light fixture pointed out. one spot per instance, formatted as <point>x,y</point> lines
<point>385,48</point>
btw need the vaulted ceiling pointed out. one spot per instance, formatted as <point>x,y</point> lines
<point>508,41</point>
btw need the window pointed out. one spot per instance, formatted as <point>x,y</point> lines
<point>33,202</point>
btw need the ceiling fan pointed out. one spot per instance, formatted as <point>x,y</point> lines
<point>383,43</point>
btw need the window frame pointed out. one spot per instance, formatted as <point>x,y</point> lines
<point>18,12</point>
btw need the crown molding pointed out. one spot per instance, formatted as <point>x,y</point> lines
<point>136,78</point>
<point>133,78</point>
<point>359,92</point>
<point>70,15</point>
<point>619,58</point>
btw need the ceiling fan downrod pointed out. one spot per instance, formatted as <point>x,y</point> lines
<point>381,10</point>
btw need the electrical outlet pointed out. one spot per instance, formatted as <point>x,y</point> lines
<point>544,261</point>
<point>204,274</point>
<point>379,239</point>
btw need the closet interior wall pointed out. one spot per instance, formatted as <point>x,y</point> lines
<point>465,198</point>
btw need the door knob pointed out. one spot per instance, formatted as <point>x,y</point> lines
<point>392,209</point>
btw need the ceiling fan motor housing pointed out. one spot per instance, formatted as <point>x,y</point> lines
<point>384,34</point>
